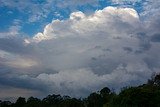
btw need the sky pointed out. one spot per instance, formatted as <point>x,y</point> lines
<point>75,47</point>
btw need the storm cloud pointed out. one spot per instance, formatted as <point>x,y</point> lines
<point>112,47</point>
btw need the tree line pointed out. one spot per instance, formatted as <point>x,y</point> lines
<point>146,95</point>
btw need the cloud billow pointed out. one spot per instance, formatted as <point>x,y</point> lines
<point>83,54</point>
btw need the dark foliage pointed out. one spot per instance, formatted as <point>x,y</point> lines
<point>146,95</point>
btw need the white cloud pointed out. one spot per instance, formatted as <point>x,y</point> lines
<point>126,1</point>
<point>12,31</point>
<point>75,81</point>
<point>21,63</point>
<point>80,23</point>
<point>96,42</point>
<point>39,10</point>
<point>74,3</point>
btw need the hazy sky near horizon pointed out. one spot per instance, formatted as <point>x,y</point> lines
<point>75,47</point>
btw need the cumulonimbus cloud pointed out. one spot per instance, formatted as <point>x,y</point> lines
<point>84,53</point>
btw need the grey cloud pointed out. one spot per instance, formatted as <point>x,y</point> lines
<point>155,38</point>
<point>13,45</point>
<point>128,49</point>
<point>18,82</point>
<point>81,54</point>
<point>151,8</point>
<point>84,43</point>
<point>144,41</point>
<point>152,62</point>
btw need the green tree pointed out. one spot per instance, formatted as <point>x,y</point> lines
<point>20,102</point>
<point>33,102</point>
<point>72,103</point>
<point>5,104</point>
<point>52,100</point>
<point>94,100</point>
